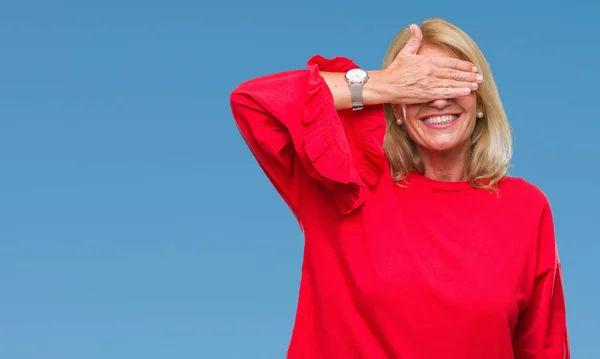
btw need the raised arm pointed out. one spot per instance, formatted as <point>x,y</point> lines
<point>298,126</point>
<point>297,136</point>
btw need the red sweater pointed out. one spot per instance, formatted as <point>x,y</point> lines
<point>421,270</point>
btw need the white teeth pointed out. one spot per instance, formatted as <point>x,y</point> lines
<point>440,120</point>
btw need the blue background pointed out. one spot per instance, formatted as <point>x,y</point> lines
<point>134,223</point>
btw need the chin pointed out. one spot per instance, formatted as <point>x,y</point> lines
<point>442,145</point>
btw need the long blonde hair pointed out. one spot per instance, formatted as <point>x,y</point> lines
<point>491,142</point>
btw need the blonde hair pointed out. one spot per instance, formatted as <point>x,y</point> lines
<point>491,142</point>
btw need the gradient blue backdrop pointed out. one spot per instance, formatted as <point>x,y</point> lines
<point>134,223</point>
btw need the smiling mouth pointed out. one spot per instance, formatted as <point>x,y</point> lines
<point>440,119</point>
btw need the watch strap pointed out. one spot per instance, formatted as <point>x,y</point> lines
<point>356,92</point>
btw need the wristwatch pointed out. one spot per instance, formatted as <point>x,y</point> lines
<point>356,78</point>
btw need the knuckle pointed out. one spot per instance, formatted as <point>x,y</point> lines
<point>450,83</point>
<point>429,69</point>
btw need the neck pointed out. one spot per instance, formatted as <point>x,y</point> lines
<point>447,166</point>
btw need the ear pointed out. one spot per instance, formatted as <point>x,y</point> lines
<point>398,111</point>
<point>480,106</point>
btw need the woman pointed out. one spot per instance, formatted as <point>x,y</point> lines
<point>417,243</point>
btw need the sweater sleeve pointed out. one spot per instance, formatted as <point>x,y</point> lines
<point>541,332</point>
<point>292,128</point>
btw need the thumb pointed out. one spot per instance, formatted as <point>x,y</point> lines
<point>414,42</point>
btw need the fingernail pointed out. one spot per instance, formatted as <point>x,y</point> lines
<point>411,30</point>
<point>475,69</point>
<point>474,86</point>
<point>467,91</point>
<point>479,78</point>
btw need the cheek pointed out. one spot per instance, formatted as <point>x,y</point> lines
<point>413,125</point>
<point>468,102</point>
<point>411,112</point>
<point>415,132</point>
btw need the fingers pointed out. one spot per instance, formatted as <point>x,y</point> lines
<point>455,64</point>
<point>446,83</point>
<point>414,42</point>
<point>451,92</point>
<point>458,75</point>
<point>449,88</point>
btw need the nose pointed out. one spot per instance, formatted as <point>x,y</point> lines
<point>439,104</point>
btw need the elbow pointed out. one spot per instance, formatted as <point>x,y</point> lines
<point>237,95</point>
<point>239,101</point>
<point>245,95</point>
<point>245,88</point>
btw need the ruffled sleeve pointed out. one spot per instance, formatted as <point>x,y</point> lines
<point>290,124</point>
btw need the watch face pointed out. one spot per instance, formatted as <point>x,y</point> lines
<point>356,75</point>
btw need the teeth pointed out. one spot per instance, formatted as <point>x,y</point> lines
<point>440,120</point>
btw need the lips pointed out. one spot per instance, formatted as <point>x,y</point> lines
<point>440,119</point>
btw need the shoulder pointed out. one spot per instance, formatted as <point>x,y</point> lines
<point>524,193</point>
<point>528,208</point>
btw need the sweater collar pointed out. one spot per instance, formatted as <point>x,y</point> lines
<point>420,180</point>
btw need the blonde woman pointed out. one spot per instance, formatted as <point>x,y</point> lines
<point>417,242</point>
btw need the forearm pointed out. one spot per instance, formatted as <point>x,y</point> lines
<point>374,90</point>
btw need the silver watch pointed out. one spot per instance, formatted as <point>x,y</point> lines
<point>356,78</point>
